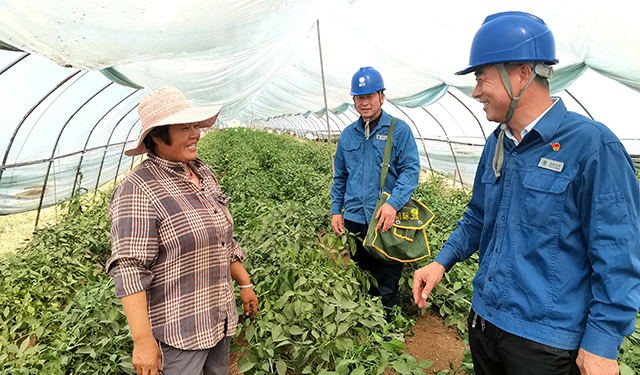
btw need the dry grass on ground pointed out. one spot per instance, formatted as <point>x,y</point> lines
<point>16,230</point>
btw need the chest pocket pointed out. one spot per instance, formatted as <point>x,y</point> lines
<point>353,154</point>
<point>543,200</point>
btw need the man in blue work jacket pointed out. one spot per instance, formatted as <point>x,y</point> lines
<point>356,183</point>
<point>554,215</point>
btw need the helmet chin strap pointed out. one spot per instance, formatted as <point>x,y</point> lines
<point>499,155</point>
<point>367,131</point>
<point>366,128</point>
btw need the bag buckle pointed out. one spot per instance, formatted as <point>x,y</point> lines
<point>385,165</point>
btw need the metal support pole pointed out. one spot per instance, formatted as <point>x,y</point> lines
<point>24,118</point>
<point>449,143</point>
<point>53,151</point>
<point>106,148</point>
<point>75,181</point>
<point>472,114</point>
<point>115,179</point>
<point>580,104</point>
<point>419,134</point>
<point>324,92</point>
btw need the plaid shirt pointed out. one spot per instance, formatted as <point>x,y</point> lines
<point>175,240</point>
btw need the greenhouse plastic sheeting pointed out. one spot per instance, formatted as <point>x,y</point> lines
<point>260,58</point>
<point>63,130</point>
<point>64,122</point>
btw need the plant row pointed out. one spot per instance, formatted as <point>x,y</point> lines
<point>59,315</point>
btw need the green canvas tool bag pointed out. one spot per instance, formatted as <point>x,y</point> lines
<point>407,240</point>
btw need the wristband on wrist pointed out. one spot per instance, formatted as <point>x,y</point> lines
<point>245,286</point>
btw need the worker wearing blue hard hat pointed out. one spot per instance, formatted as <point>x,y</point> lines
<point>356,182</point>
<point>554,216</point>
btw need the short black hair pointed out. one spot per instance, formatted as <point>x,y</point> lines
<point>161,132</point>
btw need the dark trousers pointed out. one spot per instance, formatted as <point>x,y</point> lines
<point>497,352</point>
<point>213,361</point>
<point>387,275</point>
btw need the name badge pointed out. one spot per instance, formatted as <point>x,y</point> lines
<point>381,137</point>
<point>551,165</point>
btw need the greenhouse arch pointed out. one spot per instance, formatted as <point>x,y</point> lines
<point>70,108</point>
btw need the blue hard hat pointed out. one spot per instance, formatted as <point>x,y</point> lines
<point>366,81</point>
<point>511,37</point>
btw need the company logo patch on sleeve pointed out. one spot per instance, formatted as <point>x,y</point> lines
<point>381,137</point>
<point>551,165</point>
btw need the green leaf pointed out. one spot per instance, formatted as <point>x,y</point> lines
<point>32,321</point>
<point>24,345</point>
<point>249,332</point>
<point>297,307</point>
<point>39,331</point>
<point>295,330</point>
<point>33,350</point>
<point>401,367</point>
<point>302,280</point>
<point>326,355</point>
<point>348,305</point>
<point>244,364</point>
<point>626,370</point>
<point>328,310</point>
<point>358,371</point>
<point>425,364</point>
<point>85,349</point>
<point>330,328</point>
<point>342,328</point>
<point>276,333</point>
<point>281,367</point>
<point>343,366</point>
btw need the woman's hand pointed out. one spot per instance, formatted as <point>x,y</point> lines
<point>146,357</point>
<point>248,297</point>
<point>250,302</point>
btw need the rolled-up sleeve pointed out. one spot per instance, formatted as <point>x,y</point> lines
<point>134,239</point>
<point>236,252</point>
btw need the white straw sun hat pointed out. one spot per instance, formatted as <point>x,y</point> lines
<point>168,106</point>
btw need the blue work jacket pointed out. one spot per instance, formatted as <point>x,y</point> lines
<point>558,236</point>
<point>356,182</point>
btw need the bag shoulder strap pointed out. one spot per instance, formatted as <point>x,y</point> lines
<point>387,156</point>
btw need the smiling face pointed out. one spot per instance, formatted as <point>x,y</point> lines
<point>184,143</point>
<point>368,105</point>
<point>490,91</point>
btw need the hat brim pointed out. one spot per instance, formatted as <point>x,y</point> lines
<point>206,117</point>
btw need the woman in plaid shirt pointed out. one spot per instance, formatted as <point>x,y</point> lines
<point>173,253</point>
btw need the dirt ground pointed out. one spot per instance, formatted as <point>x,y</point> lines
<point>432,342</point>
<point>435,342</point>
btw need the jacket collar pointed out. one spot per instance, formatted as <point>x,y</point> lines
<point>385,120</point>
<point>548,125</point>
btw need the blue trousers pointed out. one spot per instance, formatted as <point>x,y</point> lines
<point>387,275</point>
